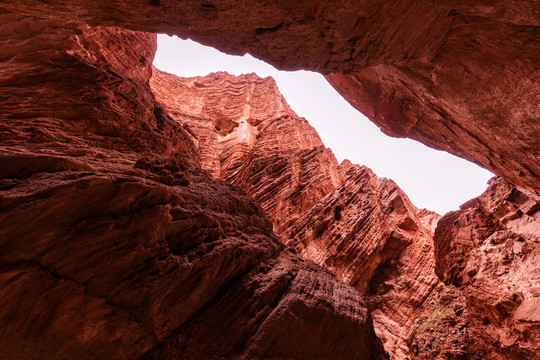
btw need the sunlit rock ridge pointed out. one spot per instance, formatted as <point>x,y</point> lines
<point>364,229</point>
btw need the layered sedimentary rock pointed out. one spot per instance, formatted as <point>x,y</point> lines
<point>257,141</point>
<point>370,235</point>
<point>366,231</point>
<point>115,244</point>
<point>457,76</point>
<point>490,250</point>
<point>341,216</point>
<point>89,158</point>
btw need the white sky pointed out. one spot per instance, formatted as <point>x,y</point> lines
<point>432,179</point>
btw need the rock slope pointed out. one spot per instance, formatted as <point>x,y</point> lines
<point>458,76</point>
<point>115,244</point>
<point>490,249</point>
<point>364,229</point>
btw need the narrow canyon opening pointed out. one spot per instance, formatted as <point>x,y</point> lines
<point>432,179</point>
<point>149,216</point>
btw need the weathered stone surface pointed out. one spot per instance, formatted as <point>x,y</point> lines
<point>256,140</point>
<point>364,229</point>
<point>466,104</point>
<point>370,235</point>
<point>442,332</point>
<point>275,296</point>
<point>457,76</point>
<point>490,249</point>
<point>114,244</point>
<point>80,129</point>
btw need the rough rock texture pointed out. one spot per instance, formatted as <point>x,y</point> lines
<point>370,235</point>
<point>88,153</point>
<point>114,244</point>
<point>442,332</point>
<point>490,249</point>
<point>460,76</point>
<point>364,229</point>
<point>255,140</point>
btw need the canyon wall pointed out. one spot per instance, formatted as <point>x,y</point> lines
<point>490,249</point>
<point>365,230</point>
<point>458,76</point>
<point>115,244</point>
<point>341,216</point>
<point>257,141</point>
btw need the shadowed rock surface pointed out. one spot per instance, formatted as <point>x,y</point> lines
<point>460,76</point>
<point>114,244</point>
<point>364,229</point>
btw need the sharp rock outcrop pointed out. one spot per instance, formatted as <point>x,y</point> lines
<point>342,216</point>
<point>364,229</point>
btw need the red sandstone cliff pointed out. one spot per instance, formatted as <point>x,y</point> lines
<point>460,76</point>
<point>490,249</point>
<point>114,244</point>
<point>89,159</point>
<point>364,229</point>
<point>255,139</point>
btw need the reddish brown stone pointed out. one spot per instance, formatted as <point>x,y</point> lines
<point>458,76</point>
<point>490,249</point>
<point>91,159</point>
<point>256,140</point>
<point>114,244</point>
<point>364,229</point>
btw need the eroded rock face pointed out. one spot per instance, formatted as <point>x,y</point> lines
<point>370,235</point>
<point>457,76</point>
<point>366,231</point>
<point>114,244</point>
<point>257,141</point>
<point>490,250</point>
<point>341,216</point>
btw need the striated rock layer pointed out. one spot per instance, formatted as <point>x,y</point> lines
<point>114,244</point>
<point>367,232</point>
<point>370,235</point>
<point>490,249</point>
<point>458,76</point>
<point>364,229</point>
<point>257,141</point>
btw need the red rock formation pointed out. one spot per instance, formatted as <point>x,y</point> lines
<point>261,144</point>
<point>457,76</point>
<point>490,249</point>
<point>370,235</point>
<point>114,244</point>
<point>442,332</point>
<point>80,129</point>
<point>364,229</point>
